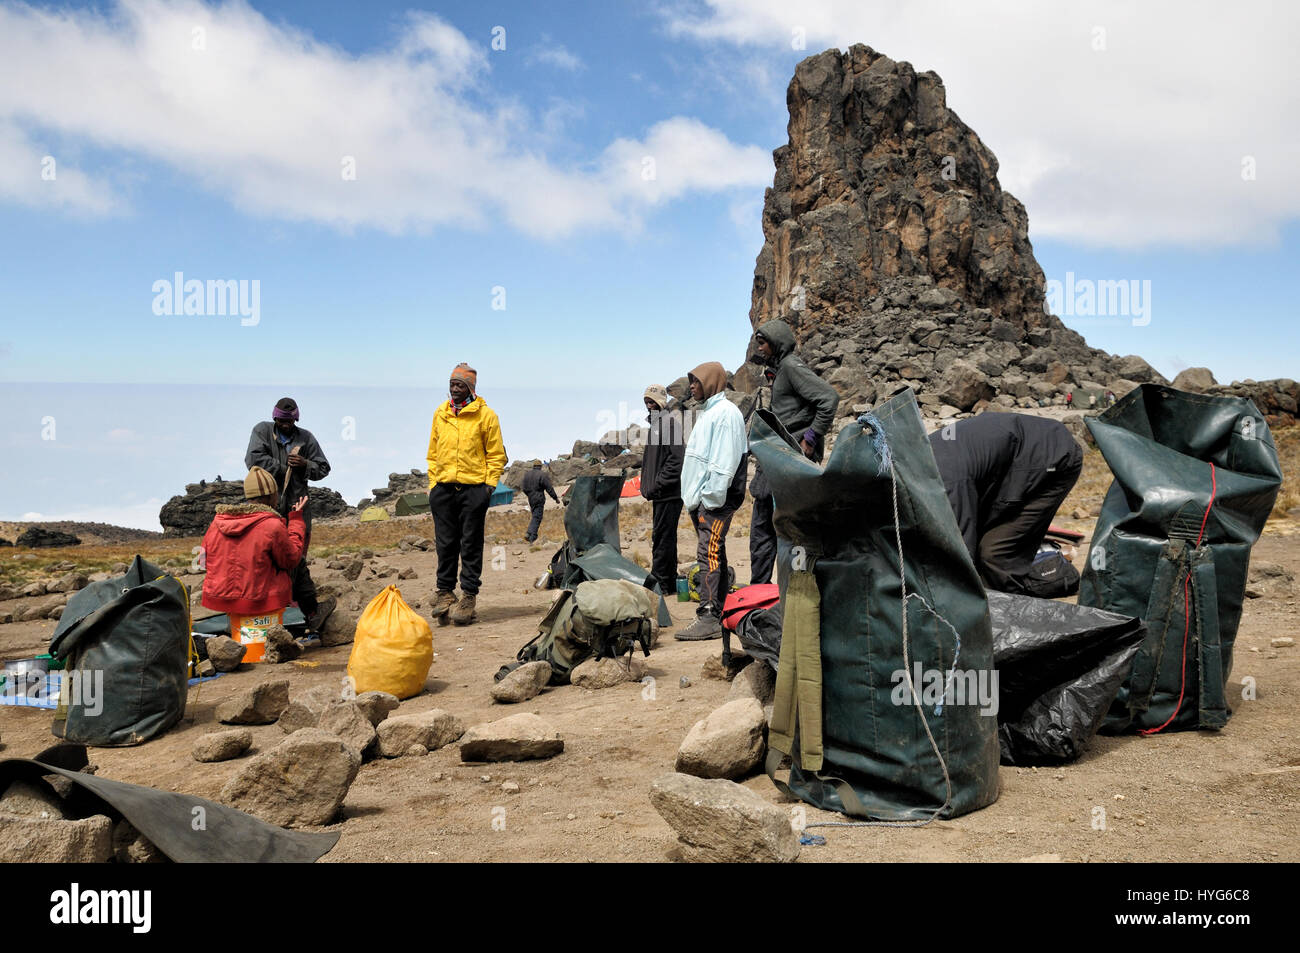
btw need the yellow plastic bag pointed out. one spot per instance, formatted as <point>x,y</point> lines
<point>393,648</point>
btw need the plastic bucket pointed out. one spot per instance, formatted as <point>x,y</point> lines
<point>250,631</point>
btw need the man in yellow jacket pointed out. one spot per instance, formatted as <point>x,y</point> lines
<point>466,460</point>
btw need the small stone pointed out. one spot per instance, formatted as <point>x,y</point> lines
<point>301,781</point>
<point>281,645</point>
<point>433,729</point>
<point>570,817</point>
<point>346,720</point>
<point>720,821</point>
<point>510,787</point>
<point>523,683</point>
<point>408,573</point>
<point>376,705</point>
<point>726,744</point>
<point>207,669</point>
<point>225,653</point>
<point>684,681</point>
<point>132,847</point>
<point>597,673</point>
<point>304,709</point>
<point>256,706</point>
<point>1282,642</point>
<point>485,778</point>
<point>1040,859</point>
<point>416,751</point>
<point>353,570</point>
<point>222,745</point>
<point>515,738</point>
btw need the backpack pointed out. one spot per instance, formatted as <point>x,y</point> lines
<point>601,618</point>
<point>743,601</point>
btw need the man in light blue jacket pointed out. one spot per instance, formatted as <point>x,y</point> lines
<point>713,486</point>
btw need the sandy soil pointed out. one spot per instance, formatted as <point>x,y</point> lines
<point>1229,795</point>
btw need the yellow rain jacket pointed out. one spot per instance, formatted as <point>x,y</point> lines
<point>466,447</point>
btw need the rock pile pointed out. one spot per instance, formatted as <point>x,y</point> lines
<point>399,484</point>
<point>191,514</point>
<point>37,537</point>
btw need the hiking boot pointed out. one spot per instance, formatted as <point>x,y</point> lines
<point>706,626</point>
<point>463,613</point>
<point>443,601</point>
<point>316,621</point>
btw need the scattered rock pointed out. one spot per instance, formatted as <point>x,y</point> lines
<point>606,672</point>
<point>721,822</point>
<point>433,729</point>
<point>523,683</point>
<point>256,706</point>
<point>281,645</point>
<point>225,653</point>
<point>1282,642</point>
<point>53,841</point>
<point>132,847</point>
<point>408,573</point>
<point>684,682</point>
<point>341,626</point>
<point>69,582</point>
<point>756,681</point>
<point>353,570</point>
<point>301,781</point>
<point>509,787</point>
<point>28,799</point>
<point>727,744</point>
<point>346,720</point>
<point>714,669</point>
<point>515,738</point>
<point>416,751</point>
<point>222,745</point>
<point>304,709</point>
<point>376,705</point>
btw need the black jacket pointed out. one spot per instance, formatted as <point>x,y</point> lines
<point>536,484</point>
<point>992,463</point>
<point>665,449</point>
<point>266,451</point>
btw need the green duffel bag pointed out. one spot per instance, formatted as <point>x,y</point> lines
<point>886,693</point>
<point>126,643</point>
<point>602,618</point>
<point>1195,479</point>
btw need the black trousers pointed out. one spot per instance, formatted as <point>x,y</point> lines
<point>459,512</point>
<point>1007,548</point>
<point>762,541</point>
<point>711,533</point>
<point>538,506</point>
<point>304,589</point>
<point>663,543</point>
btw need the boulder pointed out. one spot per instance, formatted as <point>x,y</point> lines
<point>346,720</point>
<point>222,745</point>
<point>756,681</point>
<point>28,840</point>
<point>305,708</point>
<point>964,385</point>
<point>30,799</point>
<point>597,673</point>
<point>224,652</point>
<point>719,821</point>
<point>432,729</point>
<point>1195,379</point>
<point>523,683</point>
<point>376,705</point>
<point>516,738</point>
<point>192,513</point>
<point>256,706</point>
<point>37,537</point>
<point>281,646</point>
<point>301,781</point>
<point>728,743</point>
<point>69,582</point>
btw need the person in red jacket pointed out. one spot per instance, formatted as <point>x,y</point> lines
<point>251,552</point>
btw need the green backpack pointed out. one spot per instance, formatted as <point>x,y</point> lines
<point>602,618</point>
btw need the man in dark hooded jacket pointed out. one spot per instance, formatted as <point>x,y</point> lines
<point>536,484</point>
<point>805,404</point>
<point>661,484</point>
<point>292,456</point>
<point>1006,476</point>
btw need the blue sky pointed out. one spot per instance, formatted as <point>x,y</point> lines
<point>210,139</point>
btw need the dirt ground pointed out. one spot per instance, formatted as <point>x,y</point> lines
<point>1192,796</point>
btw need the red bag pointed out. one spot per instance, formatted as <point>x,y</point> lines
<point>743,601</point>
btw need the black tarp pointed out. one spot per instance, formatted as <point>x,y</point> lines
<point>1059,668</point>
<point>1195,479</point>
<point>126,644</point>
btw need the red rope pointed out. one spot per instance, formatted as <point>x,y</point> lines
<point>1187,613</point>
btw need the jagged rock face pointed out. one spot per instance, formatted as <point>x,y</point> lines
<point>893,253</point>
<point>191,514</point>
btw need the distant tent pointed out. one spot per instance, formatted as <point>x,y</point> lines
<point>412,504</point>
<point>631,487</point>
<point>500,496</point>
<point>372,514</point>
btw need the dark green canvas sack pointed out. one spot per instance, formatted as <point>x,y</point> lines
<point>126,642</point>
<point>843,683</point>
<point>1195,479</point>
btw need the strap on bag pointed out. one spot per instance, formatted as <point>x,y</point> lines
<point>1212,706</point>
<point>798,702</point>
<point>1165,587</point>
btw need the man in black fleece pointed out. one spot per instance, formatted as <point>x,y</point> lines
<point>805,404</point>
<point>1006,476</point>
<point>661,484</point>
<point>536,484</point>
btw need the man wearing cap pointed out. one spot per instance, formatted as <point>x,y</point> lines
<point>292,456</point>
<point>250,552</point>
<point>713,486</point>
<point>466,460</point>
<point>661,484</point>
<point>536,484</point>
<point>805,404</point>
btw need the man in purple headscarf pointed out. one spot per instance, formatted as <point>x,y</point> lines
<point>292,456</point>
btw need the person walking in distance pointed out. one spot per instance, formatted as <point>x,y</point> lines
<point>466,459</point>
<point>713,486</point>
<point>536,484</point>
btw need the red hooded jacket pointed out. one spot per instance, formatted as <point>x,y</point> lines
<point>250,553</point>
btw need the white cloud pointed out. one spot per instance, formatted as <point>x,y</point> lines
<point>270,118</point>
<point>142,515</point>
<point>1142,142</point>
<point>550,53</point>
